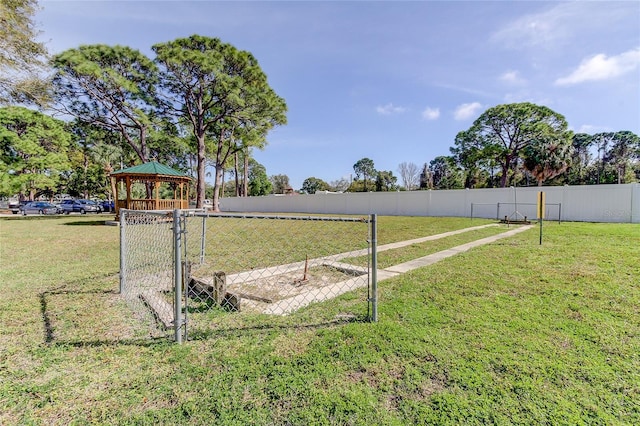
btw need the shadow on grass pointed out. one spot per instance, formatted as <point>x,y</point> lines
<point>31,217</point>
<point>88,223</point>
<point>199,335</point>
<point>85,313</point>
<point>205,334</point>
<point>101,221</point>
<point>79,317</point>
<point>46,312</point>
<point>139,342</point>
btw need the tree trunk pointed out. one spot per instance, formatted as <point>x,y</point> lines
<point>235,173</point>
<point>503,178</point>
<point>245,178</point>
<point>216,191</point>
<point>218,175</point>
<point>620,174</point>
<point>200,164</point>
<point>224,172</point>
<point>142,150</point>
<point>506,166</point>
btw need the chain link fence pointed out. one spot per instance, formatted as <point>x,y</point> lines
<point>147,278</point>
<point>197,269</point>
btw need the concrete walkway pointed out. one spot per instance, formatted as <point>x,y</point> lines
<point>164,312</point>
<point>291,304</point>
<point>401,268</point>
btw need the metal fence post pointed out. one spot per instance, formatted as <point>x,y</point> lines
<point>177,273</point>
<point>123,249</point>
<point>203,237</point>
<point>374,268</point>
<point>559,212</point>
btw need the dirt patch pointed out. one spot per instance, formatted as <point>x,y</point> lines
<point>273,288</point>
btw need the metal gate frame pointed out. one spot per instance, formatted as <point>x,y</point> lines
<point>181,271</point>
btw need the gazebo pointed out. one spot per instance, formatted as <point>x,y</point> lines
<point>152,176</point>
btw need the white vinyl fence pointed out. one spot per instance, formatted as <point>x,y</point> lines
<point>593,203</point>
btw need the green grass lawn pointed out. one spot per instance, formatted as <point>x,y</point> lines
<point>508,333</point>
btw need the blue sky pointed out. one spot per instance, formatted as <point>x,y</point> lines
<point>392,81</point>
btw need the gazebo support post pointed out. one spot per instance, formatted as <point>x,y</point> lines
<point>156,204</point>
<point>128,186</point>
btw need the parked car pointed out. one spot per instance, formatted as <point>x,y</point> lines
<point>80,206</point>
<point>38,207</point>
<point>16,206</point>
<point>108,206</point>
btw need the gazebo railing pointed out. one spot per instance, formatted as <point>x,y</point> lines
<point>153,204</point>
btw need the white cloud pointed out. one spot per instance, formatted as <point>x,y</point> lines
<point>463,89</point>
<point>592,129</point>
<point>562,23</point>
<point>390,109</point>
<point>534,29</point>
<point>601,67</point>
<point>431,113</point>
<point>466,111</point>
<point>512,78</point>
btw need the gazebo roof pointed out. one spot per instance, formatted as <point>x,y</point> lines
<point>151,168</point>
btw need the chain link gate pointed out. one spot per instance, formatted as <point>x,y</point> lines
<point>147,279</point>
<point>226,267</point>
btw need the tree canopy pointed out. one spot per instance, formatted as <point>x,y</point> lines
<point>111,87</point>
<point>259,183</point>
<point>445,173</point>
<point>547,158</point>
<point>202,102</point>
<point>386,181</point>
<point>21,56</point>
<point>224,96</point>
<point>280,183</point>
<point>311,185</point>
<point>426,178</point>
<point>605,157</point>
<point>506,133</point>
<point>365,168</point>
<point>33,152</point>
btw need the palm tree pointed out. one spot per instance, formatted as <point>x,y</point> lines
<point>547,159</point>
